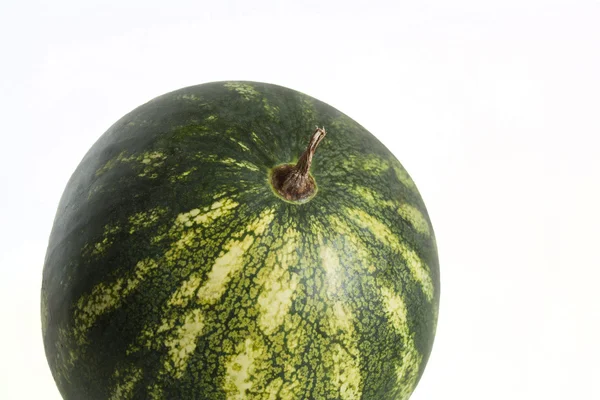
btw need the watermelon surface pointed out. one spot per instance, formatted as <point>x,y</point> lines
<point>176,270</point>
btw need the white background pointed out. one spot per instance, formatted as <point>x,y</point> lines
<point>492,106</point>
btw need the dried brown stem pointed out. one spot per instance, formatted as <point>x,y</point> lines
<point>293,182</point>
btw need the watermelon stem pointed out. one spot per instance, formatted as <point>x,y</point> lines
<point>294,182</point>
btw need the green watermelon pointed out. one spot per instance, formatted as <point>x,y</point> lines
<point>206,248</point>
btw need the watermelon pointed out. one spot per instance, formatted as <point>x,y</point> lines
<point>239,240</point>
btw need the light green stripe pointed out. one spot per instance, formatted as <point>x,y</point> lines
<point>145,219</point>
<point>278,284</point>
<point>128,379</point>
<point>408,212</point>
<point>182,343</point>
<point>407,370</point>
<point>241,371</point>
<point>106,297</point>
<point>418,269</point>
<point>415,218</point>
<point>345,376</point>
<point>179,331</point>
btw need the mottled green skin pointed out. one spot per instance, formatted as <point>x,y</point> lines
<point>167,156</point>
